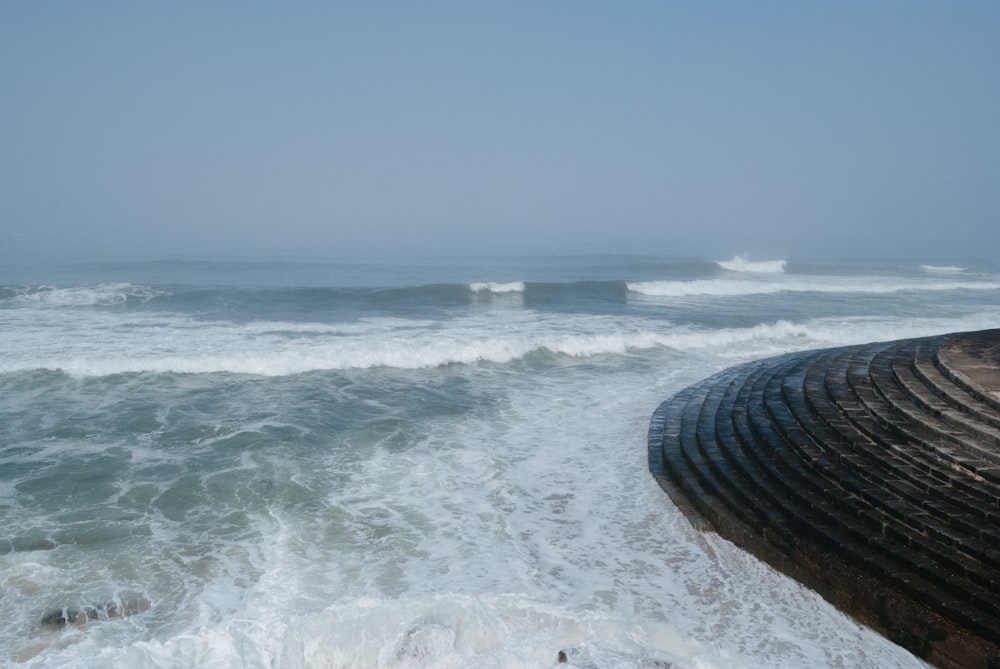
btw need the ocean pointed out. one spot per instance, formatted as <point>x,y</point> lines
<point>434,463</point>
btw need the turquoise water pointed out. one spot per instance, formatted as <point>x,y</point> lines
<point>438,464</point>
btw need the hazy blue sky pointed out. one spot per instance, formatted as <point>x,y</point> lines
<point>225,129</point>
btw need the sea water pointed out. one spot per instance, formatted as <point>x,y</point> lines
<point>423,464</point>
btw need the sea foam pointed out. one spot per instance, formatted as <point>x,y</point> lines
<point>474,513</point>
<point>103,294</point>
<point>742,263</point>
<point>942,269</point>
<point>493,287</point>
<point>770,285</point>
<point>282,349</point>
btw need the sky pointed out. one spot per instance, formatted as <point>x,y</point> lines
<point>340,130</point>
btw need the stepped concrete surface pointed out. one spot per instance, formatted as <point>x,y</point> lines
<point>869,473</point>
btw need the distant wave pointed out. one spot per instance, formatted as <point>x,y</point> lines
<point>942,269</point>
<point>780,336</point>
<point>742,263</point>
<point>491,287</point>
<point>285,358</point>
<point>736,287</point>
<point>102,294</point>
<point>712,287</point>
<point>262,351</point>
<point>417,353</point>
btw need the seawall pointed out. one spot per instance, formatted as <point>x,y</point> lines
<point>869,473</point>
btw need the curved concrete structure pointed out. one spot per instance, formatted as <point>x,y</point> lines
<point>869,473</point>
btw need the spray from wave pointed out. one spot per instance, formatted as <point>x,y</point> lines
<point>942,269</point>
<point>736,287</point>
<point>282,349</point>
<point>492,287</point>
<point>742,263</point>
<point>97,295</point>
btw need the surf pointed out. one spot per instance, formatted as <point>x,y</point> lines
<point>742,263</point>
<point>493,287</point>
<point>403,472</point>
<point>870,285</point>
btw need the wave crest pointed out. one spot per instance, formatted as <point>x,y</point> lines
<point>742,263</point>
<point>942,269</point>
<point>260,351</point>
<point>494,287</point>
<point>739,288</point>
<point>97,295</point>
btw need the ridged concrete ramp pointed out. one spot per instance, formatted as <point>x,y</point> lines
<point>869,473</point>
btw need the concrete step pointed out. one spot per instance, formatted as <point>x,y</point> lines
<point>870,475</point>
<point>972,360</point>
<point>891,374</point>
<point>880,460</point>
<point>926,369</point>
<point>870,414</point>
<point>672,470</point>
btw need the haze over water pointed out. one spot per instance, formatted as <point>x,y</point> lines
<point>358,131</point>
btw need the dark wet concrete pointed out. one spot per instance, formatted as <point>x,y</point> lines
<point>870,473</point>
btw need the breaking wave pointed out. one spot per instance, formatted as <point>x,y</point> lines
<point>942,269</point>
<point>742,263</point>
<point>102,294</point>
<point>492,287</point>
<point>281,349</point>
<point>739,287</point>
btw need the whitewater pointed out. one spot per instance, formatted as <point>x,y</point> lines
<point>419,464</point>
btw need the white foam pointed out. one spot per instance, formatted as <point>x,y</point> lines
<point>703,287</point>
<point>444,632</point>
<point>82,346</point>
<point>485,631</point>
<point>765,286</point>
<point>735,344</point>
<point>942,269</point>
<point>103,294</point>
<point>492,531</point>
<point>742,263</point>
<point>494,538</point>
<point>492,287</point>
